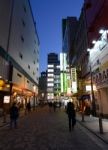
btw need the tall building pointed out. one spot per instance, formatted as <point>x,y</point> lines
<point>69,26</point>
<point>97,31</point>
<point>53,77</point>
<point>43,86</point>
<point>19,52</point>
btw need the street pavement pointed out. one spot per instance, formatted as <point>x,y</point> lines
<point>92,124</point>
<point>48,130</point>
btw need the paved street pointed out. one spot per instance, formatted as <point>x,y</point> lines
<point>44,130</point>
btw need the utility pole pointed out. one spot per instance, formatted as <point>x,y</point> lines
<point>92,94</point>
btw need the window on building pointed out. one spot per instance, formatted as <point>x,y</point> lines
<point>27,81</point>
<point>50,66</point>
<point>50,75</point>
<point>28,66</point>
<point>23,23</point>
<point>50,84</point>
<point>35,41</point>
<point>25,9</point>
<point>21,55</point>
<point>22,38</point>
<point>50,79</point>
<point>19,75</point>
<point>33,73</point>
<point>50,70</point>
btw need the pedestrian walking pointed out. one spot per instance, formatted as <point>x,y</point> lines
<point>71,115</point>
<point>28,107</point>
<point>50,106</point>
<point>54,105</point>
<point>14,114</point>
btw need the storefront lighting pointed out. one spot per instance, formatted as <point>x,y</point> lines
<point>1,83</point>
<point>34,88</point>
<point>102,31</point>
<point>7,85</point>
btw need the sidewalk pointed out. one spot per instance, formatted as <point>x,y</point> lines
<point>92,124</point>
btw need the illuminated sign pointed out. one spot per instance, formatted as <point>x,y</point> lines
<point>6,99</point>
<point>74,80</point>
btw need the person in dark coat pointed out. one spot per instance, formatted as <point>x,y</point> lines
<point>28,107</point>
<point>71,115</point>
<point>14,114</point>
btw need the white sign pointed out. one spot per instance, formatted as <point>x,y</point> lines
<point>6,99</point>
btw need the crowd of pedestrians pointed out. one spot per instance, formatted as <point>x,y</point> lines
<point>70,111</point>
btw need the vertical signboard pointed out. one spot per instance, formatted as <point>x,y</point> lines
<point>74,80</point>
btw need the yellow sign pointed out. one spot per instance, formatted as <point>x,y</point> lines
<point>1,83</point>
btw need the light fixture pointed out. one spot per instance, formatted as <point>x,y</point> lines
<point>101,31</point>
<point>94,41</point>
<point>88,49</point>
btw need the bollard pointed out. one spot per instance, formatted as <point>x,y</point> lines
<point>82,116</point>
<point>100,124</point>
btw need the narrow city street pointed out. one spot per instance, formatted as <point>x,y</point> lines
<point>47,130</point>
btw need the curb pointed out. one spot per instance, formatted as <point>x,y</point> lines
<point>106,142</point>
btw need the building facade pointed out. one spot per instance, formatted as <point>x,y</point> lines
<point>69,26</point>
<point>43,87</point>
<point>19,52</point>
<point>97,26</point>
<point>53,77</point>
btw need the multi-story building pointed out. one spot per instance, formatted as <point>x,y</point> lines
<point>19,52</point>
<point>97,26</point>
<point>53,76</point>
<point>43,87</point>
<point>69,26</point>
<point>92,66</point>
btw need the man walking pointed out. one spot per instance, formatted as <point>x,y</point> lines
<point>71,115</point>
<point>14,114</point>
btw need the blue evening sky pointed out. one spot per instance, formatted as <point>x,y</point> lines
<point>48,15</point>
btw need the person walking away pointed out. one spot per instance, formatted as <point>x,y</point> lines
<point>71,115</point>
<point>50,106</point>
<point>14,114</point>
<point>28,107</point>
<point>54,106</point>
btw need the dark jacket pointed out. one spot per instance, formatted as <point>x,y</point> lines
<point>14,113</point>
<point>70,110</point>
